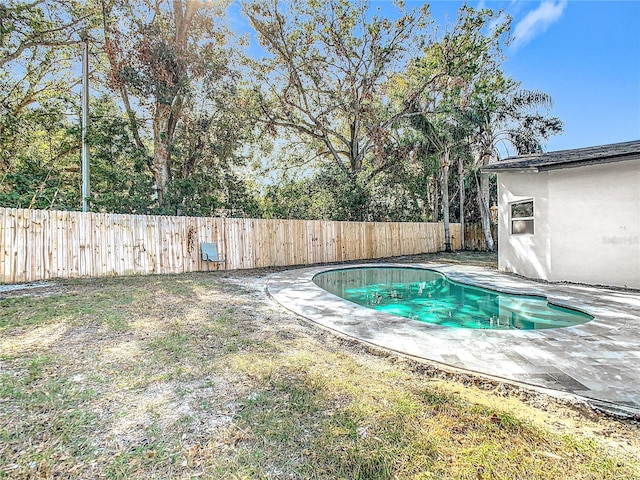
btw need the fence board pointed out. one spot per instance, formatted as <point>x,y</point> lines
<point>38,245</point>
<point>474,237</point>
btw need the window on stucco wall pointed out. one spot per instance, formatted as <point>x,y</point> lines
<point>522,217</point>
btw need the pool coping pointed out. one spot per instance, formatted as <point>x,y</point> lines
<point>597,362</point>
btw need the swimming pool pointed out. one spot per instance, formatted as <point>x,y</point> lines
<point>429,296</point>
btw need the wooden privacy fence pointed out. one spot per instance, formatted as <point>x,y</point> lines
<point>43,244</point>
<point>474,237</point>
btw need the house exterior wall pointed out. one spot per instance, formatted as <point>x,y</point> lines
<point>527,255</point>
<point>587,224</point>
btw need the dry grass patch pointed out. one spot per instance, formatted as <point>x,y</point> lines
<point>201,376</point>
<point>351,419</point>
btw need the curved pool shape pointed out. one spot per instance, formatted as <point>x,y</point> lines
<point>429,296</point>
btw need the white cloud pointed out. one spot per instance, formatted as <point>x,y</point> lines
<point>537,21</point>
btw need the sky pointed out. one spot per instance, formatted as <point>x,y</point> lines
<point>584,53</point>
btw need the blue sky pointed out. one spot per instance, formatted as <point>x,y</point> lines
<point>585,54</point>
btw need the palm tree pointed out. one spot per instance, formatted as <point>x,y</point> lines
<point>503,114</point>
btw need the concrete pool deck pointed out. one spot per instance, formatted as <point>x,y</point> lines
<point>598,362</point>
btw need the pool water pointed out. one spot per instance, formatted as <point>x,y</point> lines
<point>429,296</point>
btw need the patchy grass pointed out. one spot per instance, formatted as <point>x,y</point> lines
<point>201,376</point>
<point>73,307</point>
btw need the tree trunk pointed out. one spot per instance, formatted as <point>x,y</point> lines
<point>485,213</point>
<point>462,199</point>
<point>427,215</point>
<point>162,139</point>
<point>444,165</point>
<point>436,198</point>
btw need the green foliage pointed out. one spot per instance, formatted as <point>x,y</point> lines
<point>384,140</point>
<point>39,168</point>
<point>120,180</point>
<point>371,113</point>
<point>33,185</point>
<point>350,197</point>
<point>28,29</point>
<point>400,196</point>
<point>38,136</point>
<point>303,198</point>
<point>211,192</point>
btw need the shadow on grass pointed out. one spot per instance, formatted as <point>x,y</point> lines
<point>306,425</point>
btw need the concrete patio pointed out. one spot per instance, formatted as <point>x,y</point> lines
<point>598,362</point>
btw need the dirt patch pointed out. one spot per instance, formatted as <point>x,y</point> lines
<point>38,289</point>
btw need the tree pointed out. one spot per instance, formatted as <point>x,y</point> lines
<point>26,28</point>
<point>169,67</point>
<point>504,113</point>
<point>327,78</point>
<point>441,139</point>
<point>37,41</point>
<point>160,53</point>
<point>473,106</point>
<point>38,135</point>
<point>464,55</point>
<point>297,198</point>
<point>120,179</point>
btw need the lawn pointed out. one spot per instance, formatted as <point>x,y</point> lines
<point>202,376</point>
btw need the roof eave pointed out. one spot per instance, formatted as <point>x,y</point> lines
<point>497,168</point>
<point>509,169</point>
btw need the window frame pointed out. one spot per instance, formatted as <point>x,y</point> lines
<point>530,218</point>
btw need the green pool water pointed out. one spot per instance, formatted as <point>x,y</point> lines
<point>429,296</point>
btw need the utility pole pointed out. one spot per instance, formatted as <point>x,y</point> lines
<point>85,119</point>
